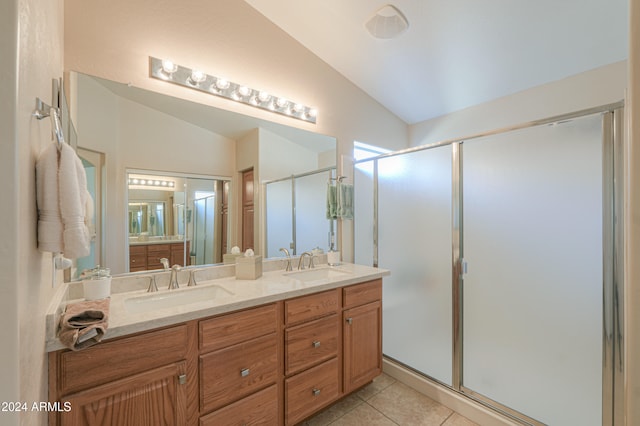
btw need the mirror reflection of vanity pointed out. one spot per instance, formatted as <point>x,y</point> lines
<point>204,150</point>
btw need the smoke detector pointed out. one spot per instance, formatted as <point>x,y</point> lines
<point>387,22</point>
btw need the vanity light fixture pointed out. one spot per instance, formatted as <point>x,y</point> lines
<point>151,182</point>
<point>167,70</point>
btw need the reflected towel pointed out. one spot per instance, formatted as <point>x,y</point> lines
<point>345,200</point>
<point>83,324</point>
<point>332,202</point>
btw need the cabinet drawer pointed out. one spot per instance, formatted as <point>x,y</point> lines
<point>137,250</point>
<point>309,391</point>
<point>312,306</point>
<point>360,294</point>
<point>114,360</point>
<point>261,408</point>
<point>237,371</point>
<point>217,333</point>
<point>311,343</point>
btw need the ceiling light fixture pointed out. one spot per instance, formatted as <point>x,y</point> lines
<point>166,70</point>
<point>387,22</point>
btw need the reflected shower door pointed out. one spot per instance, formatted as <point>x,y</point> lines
<point>279,217</point>
<point>532,239</point>
<point>415,240</point>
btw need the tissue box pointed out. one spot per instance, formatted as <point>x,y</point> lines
<point>230,257</point>
<point>248,268</point>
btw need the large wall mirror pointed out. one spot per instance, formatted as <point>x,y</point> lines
<point>207,155</point>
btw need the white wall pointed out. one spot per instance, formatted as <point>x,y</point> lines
<point>31,51</point>
<point>590,89</point>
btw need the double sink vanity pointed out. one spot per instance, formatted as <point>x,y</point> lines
<point>274,350</point>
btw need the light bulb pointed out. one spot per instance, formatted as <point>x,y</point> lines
<point>169,67</point>
<point>135,181</point>
<point>222,83</point>
<point>313,112</point>
<point>264,96</point>
<point>143,182</point>
<point>281,102</point>
<point>244,91</point>
<point>197,76</point>
<point>298,107</point>
<point>163,183</point>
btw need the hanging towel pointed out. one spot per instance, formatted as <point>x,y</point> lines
<point>63,201</point>
<point>332,202</point>
<point>83,324</point>
<point>345,200</point>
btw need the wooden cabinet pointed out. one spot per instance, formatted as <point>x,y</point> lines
<point>156,397</point>
<point>362,334</point>
<point>269,365</point>
<point>146,257</point>
<point>137,380</point>
<point>239,359</point>
<point>312,349</point>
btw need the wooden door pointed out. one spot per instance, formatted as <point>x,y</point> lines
<point>152,398</point>
<point>247,210</point>
<point>362,345</point>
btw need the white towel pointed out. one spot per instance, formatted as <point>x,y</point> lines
<point>62,199</point>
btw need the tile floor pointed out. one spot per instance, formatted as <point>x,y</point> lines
<point>387,402</point>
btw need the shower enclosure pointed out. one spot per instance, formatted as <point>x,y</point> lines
<point>296,212</point>
<point>504,251</point>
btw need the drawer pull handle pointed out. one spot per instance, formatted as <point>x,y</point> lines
<point>349,320</point>
<point>244,372</point>
<point>315,392</point>
<point>182,379</point>
<point>316,344</point>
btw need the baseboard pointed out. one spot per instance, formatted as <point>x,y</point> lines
<point>462,405</point>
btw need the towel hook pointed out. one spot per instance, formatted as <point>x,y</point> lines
<point>43,111</point>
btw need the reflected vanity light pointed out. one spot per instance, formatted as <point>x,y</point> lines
<point>151,183</point>
<point>168,71</point>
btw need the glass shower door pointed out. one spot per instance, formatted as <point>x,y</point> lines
<point>532,240</point>
<point>415,240</point>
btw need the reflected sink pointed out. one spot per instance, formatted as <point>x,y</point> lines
<point>318,274</point>
<point>174,298</point>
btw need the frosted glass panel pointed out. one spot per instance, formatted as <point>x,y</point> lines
<point>312,225</point>
<point>415,244</point>
<point>533,293</point>
<point>363,213</point>
<point>279,217</point>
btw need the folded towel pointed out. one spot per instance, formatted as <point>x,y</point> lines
<point>83,324</point>
<point>332,202</point>
<point>345,200</point>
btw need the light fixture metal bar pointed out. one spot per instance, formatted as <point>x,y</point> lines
<point>218,86</point>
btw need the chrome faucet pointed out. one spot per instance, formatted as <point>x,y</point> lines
<point>286,252</point>
<point>152,284</point>
<point>165,263</point>
<point>173,280</point>
<point>301,262</point>
<point>192,278</point>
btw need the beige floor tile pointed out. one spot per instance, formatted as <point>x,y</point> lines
<point>334,412</point>
<point>457,420</point>
<point>379,384</point>
<point>363,415</point>
<point>406,406</point>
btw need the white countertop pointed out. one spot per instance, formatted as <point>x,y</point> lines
<point>236,294</point>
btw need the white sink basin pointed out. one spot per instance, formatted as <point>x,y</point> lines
<point>318,274</point>
<point>170,299</point>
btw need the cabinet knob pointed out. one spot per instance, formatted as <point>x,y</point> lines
<point>315,392</point>
<point>182,379</point>
<point>349,320</point>
<point>244,372</point>
<point>316,344</point>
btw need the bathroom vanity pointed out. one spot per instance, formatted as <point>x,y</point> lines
<point>269,351</point>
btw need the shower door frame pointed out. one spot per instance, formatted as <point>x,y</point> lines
<point>613,257</point>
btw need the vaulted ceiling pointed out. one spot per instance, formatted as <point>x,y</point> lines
<point>456,53</point>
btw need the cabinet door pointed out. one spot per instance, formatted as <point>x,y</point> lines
<point>362,345</point>
<point>152,398</point>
